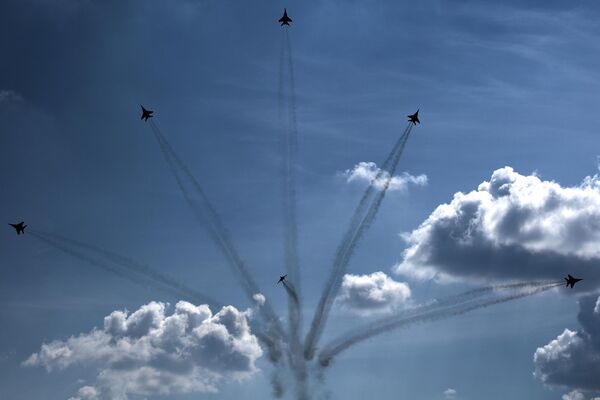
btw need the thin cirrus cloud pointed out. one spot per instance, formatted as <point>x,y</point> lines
<point>148,352</point>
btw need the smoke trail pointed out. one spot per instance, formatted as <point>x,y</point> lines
<point>123,274</point>
<point>360,223</point>
<point>297,362</point>
<point>471,295</point>
<point>144,270</point>
<point>210,219</point>
<point>291,232</point>
<point>461,298</point>
<point>290,153</point>
<point>358,214</point>
<point>346,341</point>
<point>273,344</point>
<point>280,92</point>
<point>441,305</point>
<point>291,291</point>
<point>447,302</point>
<point>277,386</point>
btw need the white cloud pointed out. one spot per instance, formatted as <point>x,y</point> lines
<point>260,299</point>
<point>369,172</point>
<point>150,353</point>
<point>450,393</point>
<point>512,227</point>
<point>574,395</point>
<point>86,393</point>
<point>573,358</point>
<point>374,293</point>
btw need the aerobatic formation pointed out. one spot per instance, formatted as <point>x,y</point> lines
<point>296,353</point>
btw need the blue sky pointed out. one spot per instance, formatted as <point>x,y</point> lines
<point>510,83</point>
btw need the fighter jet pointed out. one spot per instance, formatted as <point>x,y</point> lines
<point>571,281</point>
<point>146,113</point>
<point>414,118</point>
<point>20,227</point>
<point>281,279</point>
<point>285,20</point>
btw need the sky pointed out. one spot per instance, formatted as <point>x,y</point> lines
<point>507,93</point>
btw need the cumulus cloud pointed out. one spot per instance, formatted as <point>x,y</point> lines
<point>368,172</point>
<point>512,227</point>
<point>260,299</point>
<point>573,358</point>
<point>374,293</point>
<point>450,393</point>
<point>148,352</point>
<point>86,393</point>
<point>574,395</point>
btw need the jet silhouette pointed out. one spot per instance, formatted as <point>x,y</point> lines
<point>20,227</point>
<point>571,281</point>
<point>414,118</point>
<point>146,113</point>
<point>281,279</point>
<point>285,20</point>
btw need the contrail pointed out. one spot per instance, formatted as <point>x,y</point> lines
<point>385,325</point>
<point>361,221</point>
<point>289,199</point>
<point>210,219</point>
